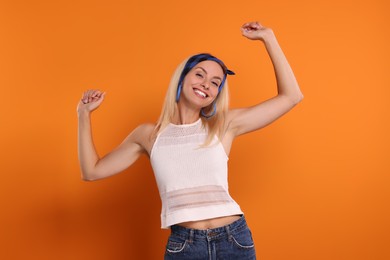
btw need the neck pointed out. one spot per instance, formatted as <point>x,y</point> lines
<point>186,115</point>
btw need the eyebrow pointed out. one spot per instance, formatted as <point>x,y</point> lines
<point>199,67</point>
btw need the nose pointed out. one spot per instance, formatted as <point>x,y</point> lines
<point>205,85</point>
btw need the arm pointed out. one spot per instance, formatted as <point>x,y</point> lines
<point>92,166</point>
<point>250,119</point>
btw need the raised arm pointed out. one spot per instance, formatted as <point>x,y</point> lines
<point>249,119</point>
<point>92,166</point>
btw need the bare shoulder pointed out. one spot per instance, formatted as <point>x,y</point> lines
<point>143,136</point>
<point>146,128</point>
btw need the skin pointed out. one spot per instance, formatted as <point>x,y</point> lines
<point>204,77</point>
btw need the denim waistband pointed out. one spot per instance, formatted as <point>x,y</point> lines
<point>209,234</point>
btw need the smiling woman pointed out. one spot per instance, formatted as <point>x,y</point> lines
<point>189,147</point>
<point>203,81</point>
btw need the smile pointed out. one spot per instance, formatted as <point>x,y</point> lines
<point>200,93</point>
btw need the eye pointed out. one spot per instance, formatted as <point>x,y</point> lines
<point>199,75</point>
<point>215,84</point>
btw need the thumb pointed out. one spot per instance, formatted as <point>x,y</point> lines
<point>101,98</point>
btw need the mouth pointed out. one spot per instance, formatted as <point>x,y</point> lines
<point>200,93</point>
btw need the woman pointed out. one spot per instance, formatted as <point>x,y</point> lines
<point>189,147</point>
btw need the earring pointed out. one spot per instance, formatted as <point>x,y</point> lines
<point>212,113</point>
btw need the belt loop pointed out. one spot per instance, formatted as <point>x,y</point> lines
<point>228,233</point>
<point>191,236</point>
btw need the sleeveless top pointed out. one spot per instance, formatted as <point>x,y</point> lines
<point>191,179</point>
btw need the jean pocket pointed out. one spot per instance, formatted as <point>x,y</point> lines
<point>243,239</point>
<point>176,245</point>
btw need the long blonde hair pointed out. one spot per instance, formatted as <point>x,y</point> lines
<point>215,125</point>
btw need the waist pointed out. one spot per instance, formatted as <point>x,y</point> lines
<point>238,223</point>
<point>210,223</point>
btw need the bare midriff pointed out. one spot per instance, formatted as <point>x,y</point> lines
<point>210,223</point>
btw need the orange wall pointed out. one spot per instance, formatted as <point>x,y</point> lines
<point>314,185</point>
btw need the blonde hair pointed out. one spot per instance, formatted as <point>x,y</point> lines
<point>215,125</point>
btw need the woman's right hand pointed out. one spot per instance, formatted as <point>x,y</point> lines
<point>90,100</point>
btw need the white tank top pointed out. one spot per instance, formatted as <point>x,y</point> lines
<point>192,180</point>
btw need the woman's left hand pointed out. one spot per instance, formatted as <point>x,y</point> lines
<point>255,31</point>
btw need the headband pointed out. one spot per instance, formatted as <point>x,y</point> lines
<point>195,60</point>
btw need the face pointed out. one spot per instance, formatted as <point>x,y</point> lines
<point>200,85</point>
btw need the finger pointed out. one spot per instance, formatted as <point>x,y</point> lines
<point>97,95</point>
<point>245,32</point>
<point>99,100</point>
<point>253,26</point>
<point>87,93</point>
<point>85,97</point>
<point>249,29</point>
<point>93,91</point>
<point>245,24</point>
<point>93,95</point>
<point>90,95</point>
<point>102,94</point>
<point>250,24</point>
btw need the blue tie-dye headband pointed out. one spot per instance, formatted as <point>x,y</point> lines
<point>195,60</point>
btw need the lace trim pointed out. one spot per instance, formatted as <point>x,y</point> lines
<point>197,197</point>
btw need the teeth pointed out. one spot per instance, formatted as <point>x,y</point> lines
<point>200,93</point>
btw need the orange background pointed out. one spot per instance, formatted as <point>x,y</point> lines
<point>313,185</point>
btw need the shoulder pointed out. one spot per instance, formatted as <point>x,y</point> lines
<point>146,128</point>
<point>144,132</point>
<point>143,136</point>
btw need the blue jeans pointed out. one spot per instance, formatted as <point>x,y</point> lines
<point>233,241</point>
